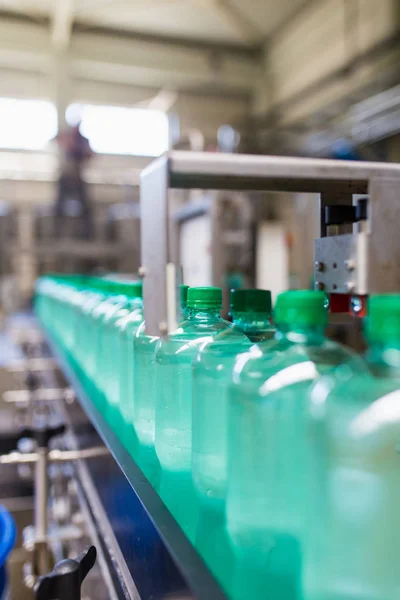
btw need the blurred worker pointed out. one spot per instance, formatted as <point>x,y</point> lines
<point>72,197</point>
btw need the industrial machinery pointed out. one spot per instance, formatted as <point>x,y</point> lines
<point>361,262</point>
<point>88,490</point>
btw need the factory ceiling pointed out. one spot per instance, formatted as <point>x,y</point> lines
<point>243,23</point>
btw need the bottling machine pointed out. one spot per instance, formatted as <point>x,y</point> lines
<point>90,496</point>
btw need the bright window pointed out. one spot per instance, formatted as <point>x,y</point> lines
<point>26,124</point>
<point>116,130</point>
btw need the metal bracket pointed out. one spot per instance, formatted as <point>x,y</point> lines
<point>194,170</point>
<point>335,269</point>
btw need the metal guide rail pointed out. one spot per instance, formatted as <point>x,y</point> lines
<point>152,556</point>
<point>367,262</point>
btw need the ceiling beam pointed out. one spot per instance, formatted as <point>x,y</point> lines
<point>232,16</point>
<point>137,60</point>
<point>92,5</point>
<point>63,18</point>
<point>225,10</point>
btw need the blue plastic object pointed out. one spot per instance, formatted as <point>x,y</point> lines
<point>7,540</point>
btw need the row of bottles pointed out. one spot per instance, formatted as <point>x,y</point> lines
<point>275,449</point>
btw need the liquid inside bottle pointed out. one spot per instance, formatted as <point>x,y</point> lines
<point>173,417</point>
<point>119,388</point>
<point>353,522</point>
<point>144,396</point>
<point>212,371</point>
<point>267,458</point>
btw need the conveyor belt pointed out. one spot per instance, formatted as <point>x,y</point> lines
<point>147,544</point>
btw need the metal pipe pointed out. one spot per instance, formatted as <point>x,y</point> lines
<point>41,494</point>
<point>32,364</point>
<point>40,394</point>
<point>18,458</point>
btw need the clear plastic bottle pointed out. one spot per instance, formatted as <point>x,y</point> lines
<point>173,417</point>
<point>119,332</point>
<point>212,369</point>
<point>143,396</point>
<point>251,313</point>
<point>87,334</point>
<point>352,549</point>
<point>57,301</point>
<point>266,499</point>
<point>45,299</point>
<point>71,319</point>
<point>100,339</point>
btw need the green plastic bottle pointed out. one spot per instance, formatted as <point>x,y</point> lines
<point>45,299</point>
<point>97,292</point>
<point>57,300</point>
<point>103,360</point>
<point>89,335</point>
<point>119,332</point>
<point>173,417</point>
<point>267,416</point>
<point>251,313</point>
<point>143,396</point>
<point>73,302</point>
<point>212,369</point>
<point>352,549</point>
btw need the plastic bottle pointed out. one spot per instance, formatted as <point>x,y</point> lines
<point>100,290</point>
<point>173,418</point>
<point>119,329</point>
<point>74,300</point>
<point>44,299</point>
<point>266,446</point>
<point>57,302</point>
<point>99,339</point>
<point>143,397</point>
<point>212,371</point>
<point>354,519</point>
<point>251,312</point>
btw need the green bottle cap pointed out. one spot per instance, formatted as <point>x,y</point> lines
<point>204,297</point>
<point>100,284</point>
<point>183,290</point>
<point>112,286</point>
<point>301,308</point>
<point>251,301</point>
<point>132,289</point>
<point>383,321</point>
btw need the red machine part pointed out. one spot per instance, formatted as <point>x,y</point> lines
<point>346,303</point>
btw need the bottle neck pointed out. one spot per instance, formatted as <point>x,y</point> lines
<point>135,302</point>
<point>184,313</point>
<point>300,333</point>
<point>384,358</point>
<point>248,321</point>
<point>203,314</point>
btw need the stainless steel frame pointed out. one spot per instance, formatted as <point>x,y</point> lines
<point>335,181</point>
